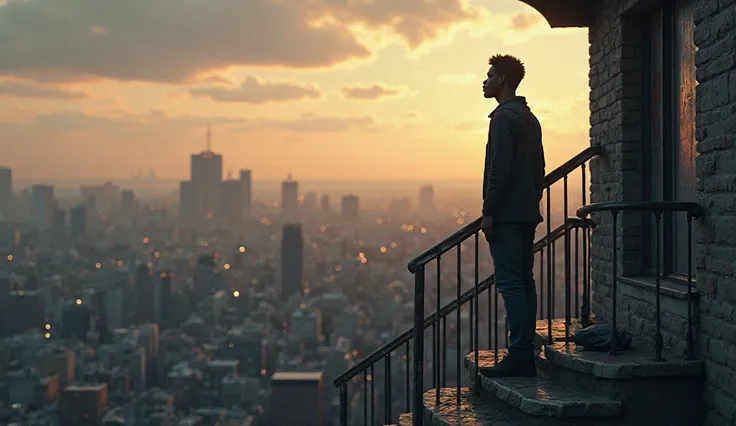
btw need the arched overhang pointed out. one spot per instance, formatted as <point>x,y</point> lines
<point>565,13</point>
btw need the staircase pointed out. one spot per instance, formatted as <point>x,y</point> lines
<point>635,387</point>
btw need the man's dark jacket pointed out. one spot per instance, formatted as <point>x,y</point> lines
<point>514,167</point>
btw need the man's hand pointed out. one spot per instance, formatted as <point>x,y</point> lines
<point>486,225</point>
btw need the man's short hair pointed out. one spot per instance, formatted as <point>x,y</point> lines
<point>510,66</point>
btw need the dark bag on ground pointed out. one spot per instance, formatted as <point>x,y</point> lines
<point>597,337</point>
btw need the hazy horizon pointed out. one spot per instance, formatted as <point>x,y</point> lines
<point>332,91</point>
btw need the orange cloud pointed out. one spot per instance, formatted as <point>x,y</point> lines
<point>24,89</point>
<point>257,91</point>
<point>314,123</point>
<point>370,92</point>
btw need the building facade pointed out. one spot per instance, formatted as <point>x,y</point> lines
<point>663,110</point>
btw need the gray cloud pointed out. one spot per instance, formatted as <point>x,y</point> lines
<point>315,123</point>
<point>31,90</point>
<point>371,92</point>
<point>255,91</point>
<point>173,41</point>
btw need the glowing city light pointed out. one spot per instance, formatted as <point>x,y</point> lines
<point>48,326</point>
<point>10,257</point>
<point>146,240</point>
<point>383,249</point>
<point>47,335</point>
<point>226,266</point>
<point>79,301</point>
<point>98,265</point>
<point>242,249</point>
<point>236,293</point>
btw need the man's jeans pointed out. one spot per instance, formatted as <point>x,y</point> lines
<point>512,249</point>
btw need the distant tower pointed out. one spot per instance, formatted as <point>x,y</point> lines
<point>206,172</point>
<point>43,206</point>
<point>190,204</point>
<point>350,207</point>
<point>325,203</point>
<point>291,261</point>
<point>289,199</point>
<point>246,187</point>
<point>426,198</point>
<point>232,205</point>
<point>6,191</point>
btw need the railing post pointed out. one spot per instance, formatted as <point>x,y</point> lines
<point>418,411</point>
<point>344,404</point>
<point>690,343</point>
<point>549,268</point>
<point>567,264</point>
<point>476,297</point>
<point>614,343</point>
<point>458,319</point>
<point>658,343</point>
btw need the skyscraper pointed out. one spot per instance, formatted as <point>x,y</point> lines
<point>325,203</point>
<point>127,201</point>
<point>42,206</point>
<point>289,199</point>
<point>246,197</point>
<point>163,308</point>
<point>426,198</point>
<point>6,190</point>
<point>78,222</point>
<point>291,261</point>
<point>206,172</point>
<point>190,207</point>
<point>232,205</point>
<point>309,204</point>
<point>305,393</point>
<point>350,207</point>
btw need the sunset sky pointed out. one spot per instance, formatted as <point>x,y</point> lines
<point>323,89</point>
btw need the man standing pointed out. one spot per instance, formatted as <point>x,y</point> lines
<point>512,189</point>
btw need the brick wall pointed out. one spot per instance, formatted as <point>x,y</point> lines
<point>615,102</point>
<point>615,108</point>
<point>715,36</point>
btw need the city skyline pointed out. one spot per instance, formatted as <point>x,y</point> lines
<point>387,92</point>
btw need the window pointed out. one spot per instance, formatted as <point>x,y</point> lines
<point>669,130</point>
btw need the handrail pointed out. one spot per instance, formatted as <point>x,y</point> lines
<point>468,230</point>
<point>694,209</point>
<point>401,339</point>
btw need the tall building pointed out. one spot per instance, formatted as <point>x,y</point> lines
<point>6,190</point>
<point>289,199</point>
<point>305,393</point>
<point>291,261</point>
<point>190,206</point>
<point>309,204</point>
<point>127,202</point>
<point>42,206</point>
<point>426,198</point>
<point>232,205</point>
<point>75,321</point>
<point>83,405</point>
<point>325,203</point>
<point>78,222</point>
<point>246,196</point>
<point>350,207</point>
<point>163,308</point>
<point>206,172</point>
<point>24,310</point>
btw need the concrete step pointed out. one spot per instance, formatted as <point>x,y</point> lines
<point>652,392</point>
<point>470,412</point>
<point>542,400</point>
<point>405,419</point>
<point>542,396</point>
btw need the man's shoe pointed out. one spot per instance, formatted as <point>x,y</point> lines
<point>511,367</point>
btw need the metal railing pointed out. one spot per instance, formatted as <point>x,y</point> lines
<point>658,209</point>
<point>438,320</point>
